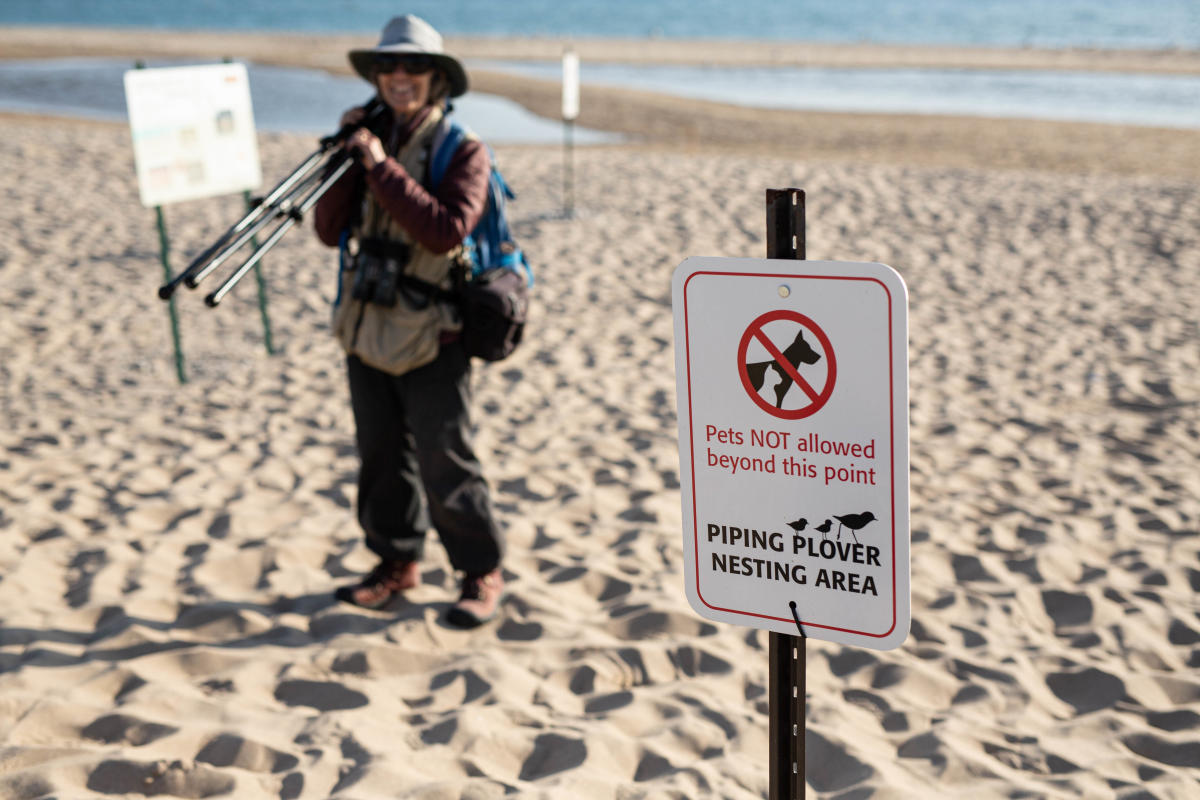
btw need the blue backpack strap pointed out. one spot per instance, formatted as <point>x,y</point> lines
<point>446,139</point>
<point>343,263</point>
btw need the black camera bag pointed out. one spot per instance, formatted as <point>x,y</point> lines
<point>494,307</point>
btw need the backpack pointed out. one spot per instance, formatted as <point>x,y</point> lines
<point>494,298</point>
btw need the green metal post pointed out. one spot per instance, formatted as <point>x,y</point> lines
<point>164,250</point>
<point>262,287</point>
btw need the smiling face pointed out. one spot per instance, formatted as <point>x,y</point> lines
<point>405,93</point>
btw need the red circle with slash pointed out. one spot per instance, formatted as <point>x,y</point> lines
<point>817,399</point>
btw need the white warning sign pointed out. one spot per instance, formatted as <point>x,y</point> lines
<point>792,381</point>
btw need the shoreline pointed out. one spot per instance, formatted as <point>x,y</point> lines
<point>664,122</point>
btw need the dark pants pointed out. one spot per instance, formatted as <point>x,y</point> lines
<point>418,467</point>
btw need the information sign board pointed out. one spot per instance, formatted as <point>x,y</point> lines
<point>792,381</point>
<point>193,132</point>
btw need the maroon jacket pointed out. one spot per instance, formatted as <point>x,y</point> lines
<point>437,221</point>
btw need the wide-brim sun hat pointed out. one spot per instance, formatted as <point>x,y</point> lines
<point>409,34</point>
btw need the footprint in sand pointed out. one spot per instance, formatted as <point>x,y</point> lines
<point>124,729</point>
<point>230,750</point>
<point>118,776</point>
<point>321,695</point>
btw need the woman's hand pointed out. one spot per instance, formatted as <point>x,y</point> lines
<point>369,148</point>
<point>366,144</point>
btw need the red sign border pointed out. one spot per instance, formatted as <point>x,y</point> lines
<point>830,363</point>
<point>891,444</point>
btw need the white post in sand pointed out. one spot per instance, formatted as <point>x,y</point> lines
<point>570,110</point>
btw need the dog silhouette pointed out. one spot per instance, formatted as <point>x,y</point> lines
<point>797,353</point>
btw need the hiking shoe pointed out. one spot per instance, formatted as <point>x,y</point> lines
<point>479,600</point>
<point>381,585</point>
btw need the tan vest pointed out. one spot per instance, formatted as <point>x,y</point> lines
<point>401,338</point>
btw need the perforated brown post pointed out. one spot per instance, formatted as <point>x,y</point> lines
<point>786,674</point>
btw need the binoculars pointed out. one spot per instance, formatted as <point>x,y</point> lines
<point>377,267</point>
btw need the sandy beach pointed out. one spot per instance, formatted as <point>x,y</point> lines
<point>166,623</point>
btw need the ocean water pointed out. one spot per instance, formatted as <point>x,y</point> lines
<point>305,101</point>
<point>310,101</point>
<point>1171,101</point>
<point>1036,23</point>
<point>284,99</point>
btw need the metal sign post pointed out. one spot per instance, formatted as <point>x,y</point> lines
<point>262,285</point>
<point>792,385</point>
<point>786,653</point>
<point>164,249</point>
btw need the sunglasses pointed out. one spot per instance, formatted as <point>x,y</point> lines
<point>412,64</point>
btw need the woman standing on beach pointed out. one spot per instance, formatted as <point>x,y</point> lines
<point>408,374</point>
